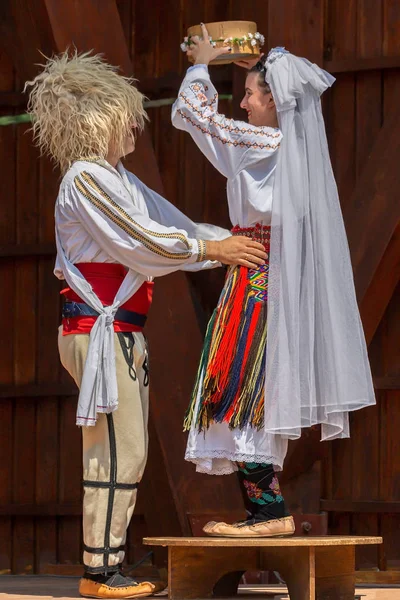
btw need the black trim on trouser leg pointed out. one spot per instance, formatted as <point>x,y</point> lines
<point>111,492</point>
<point>146,365</point>
<point>106,484</point>
<point>127,343</point>
<point>145,368</point>
<point>111,485</point>
<point>101,550</point>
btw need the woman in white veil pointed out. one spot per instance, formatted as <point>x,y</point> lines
<point>299,360</point>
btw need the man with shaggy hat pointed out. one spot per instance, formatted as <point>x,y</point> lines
<point>113,235</point>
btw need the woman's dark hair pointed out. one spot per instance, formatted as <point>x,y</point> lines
<point>261,69</point>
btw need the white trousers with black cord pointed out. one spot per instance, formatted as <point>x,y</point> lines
<point>114,450</point>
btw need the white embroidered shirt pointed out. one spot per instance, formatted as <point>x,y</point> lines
<point>245,154</point>
<point>104,214</point>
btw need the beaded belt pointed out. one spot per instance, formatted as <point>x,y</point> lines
<point>258,233</point>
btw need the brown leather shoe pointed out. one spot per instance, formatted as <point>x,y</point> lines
<point>272,528</point>
<point>117,587</point>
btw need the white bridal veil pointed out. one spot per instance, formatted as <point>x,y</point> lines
<point>317,366</point>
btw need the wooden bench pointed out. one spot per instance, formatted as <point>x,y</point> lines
<point>314,568</point>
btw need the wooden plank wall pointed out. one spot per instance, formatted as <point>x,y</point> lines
<point>40,465</point>
<point>365,468</point>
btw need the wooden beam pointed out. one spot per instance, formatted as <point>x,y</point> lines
<point>349,65</point>
<point>38,390</point>
<point>27,250</point>
<point>169,84</point>
<point>87,25</point>
<point>25,33</point>
<point>373,213</point>
<point>372,219</point>
<point>50,509</point>
<point>379,293</point>
<point>387,382</point>
<point>367,506</point>
<point>13,100</point>
<point>378,577</point>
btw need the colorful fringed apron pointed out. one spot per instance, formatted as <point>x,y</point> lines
<point>231,376</point>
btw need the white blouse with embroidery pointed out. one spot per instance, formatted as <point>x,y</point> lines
<point>246,155</point>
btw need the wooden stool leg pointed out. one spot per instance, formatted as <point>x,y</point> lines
<point>296,565</point>
<point>335,573</point>
<point>195,572</point>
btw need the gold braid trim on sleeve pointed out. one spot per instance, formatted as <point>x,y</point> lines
<point>202,251</point>
<point>177,236</point>
<point>128,227</point>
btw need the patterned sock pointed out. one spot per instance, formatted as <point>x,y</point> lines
<point>261,491</point>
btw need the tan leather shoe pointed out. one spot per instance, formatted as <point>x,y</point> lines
<point>92,589</point>
<point>272,528</point>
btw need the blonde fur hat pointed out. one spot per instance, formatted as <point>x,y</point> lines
<point>79,105</point>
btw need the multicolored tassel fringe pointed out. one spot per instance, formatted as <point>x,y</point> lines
<point>231,376</point>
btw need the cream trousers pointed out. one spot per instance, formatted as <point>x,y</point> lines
<point>114,450</point>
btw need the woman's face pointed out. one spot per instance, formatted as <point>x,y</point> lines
<point>260,106</point>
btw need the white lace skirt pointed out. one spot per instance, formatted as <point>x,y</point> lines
<point>216,450</point>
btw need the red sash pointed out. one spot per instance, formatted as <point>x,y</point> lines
<point>105,279</point>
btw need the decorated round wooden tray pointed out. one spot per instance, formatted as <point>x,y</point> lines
<point>241,36</point>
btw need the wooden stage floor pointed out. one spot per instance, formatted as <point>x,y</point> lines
<point>63,588</point>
